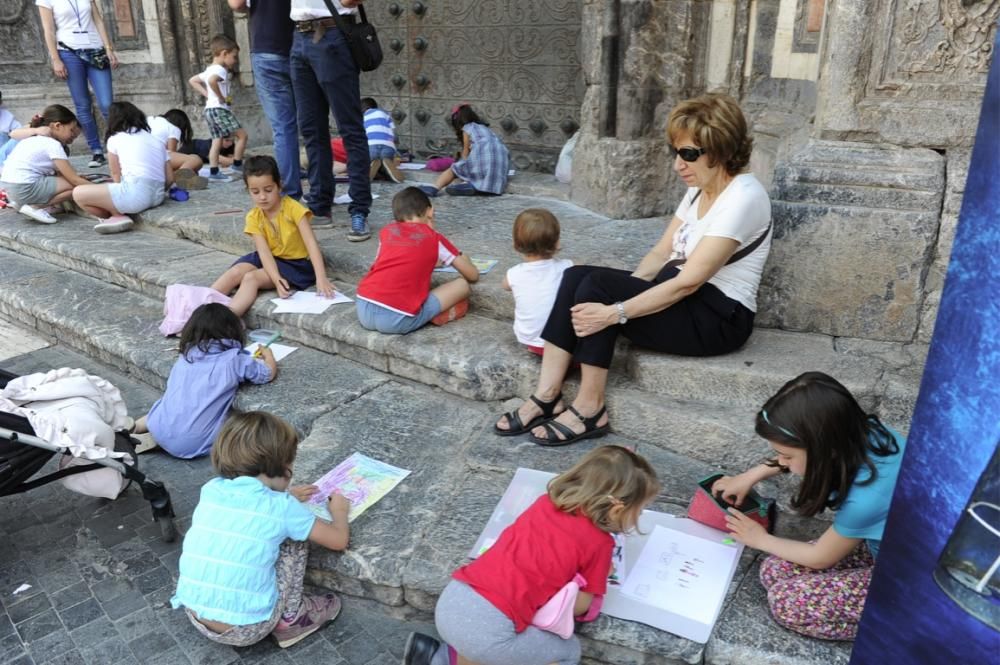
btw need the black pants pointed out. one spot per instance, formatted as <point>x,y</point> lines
<point>706,323</point>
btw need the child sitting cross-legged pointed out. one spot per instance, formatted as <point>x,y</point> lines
<point>535,282</point>
<point>244,558</point>
<point>287,255</point>
<point>395,296</point>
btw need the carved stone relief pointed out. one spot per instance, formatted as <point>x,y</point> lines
<point>944,44</point>
<point>515,62</point>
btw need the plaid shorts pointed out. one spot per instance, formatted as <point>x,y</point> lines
<point>221,122</point>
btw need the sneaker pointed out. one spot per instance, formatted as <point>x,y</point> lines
<point>97,161</point>
<point>313,613</point>
<point>189,180</point>
<point>219,177</point>
<point>420,649</point>
<point>429,190</point>
<point>392,169</point>
<point>145,443</point>
<point>114,224</point>
<point>452,313</point>
<point>375,168</point>
<point>236,169</point>
<point>37,214</point>
<point>359,228</point>
<point>322,221</point>
<point>462,189</point>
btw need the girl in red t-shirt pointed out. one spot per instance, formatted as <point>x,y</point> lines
<point>485,612</point>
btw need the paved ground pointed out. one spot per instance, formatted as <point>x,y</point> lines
<point>101,578</point>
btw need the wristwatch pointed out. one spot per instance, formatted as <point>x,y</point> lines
<point>622,319</point>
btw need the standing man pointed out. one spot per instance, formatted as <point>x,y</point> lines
<point>270,49</point>
<point>324,76</point>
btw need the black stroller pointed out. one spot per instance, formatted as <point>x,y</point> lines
<point>22,454</point>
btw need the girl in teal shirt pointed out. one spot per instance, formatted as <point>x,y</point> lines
<point>848,461</point>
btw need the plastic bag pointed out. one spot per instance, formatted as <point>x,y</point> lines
<point>564,167</point>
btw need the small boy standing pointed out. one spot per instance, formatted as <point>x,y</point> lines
<point>381,131</point>
<point>395,297</point>
<point>213,84</point>
<point>8,122</point>
<point>535,282</point>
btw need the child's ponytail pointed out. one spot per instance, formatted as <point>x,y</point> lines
<point>53,114</point>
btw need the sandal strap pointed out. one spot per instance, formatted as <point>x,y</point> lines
<point>514,423</point>
<point>546,407</point>
<point>553,427</point>
<point>588,422</point>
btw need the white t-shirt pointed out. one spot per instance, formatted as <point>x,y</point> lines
<point>742,212</point>
<point>534,285</point>
<point>162,130</point>
<point>213,101</point>
<point>32,159</point>
<point>74,23</point>
<point>7,122</point>
<point>306,10</point>
<point>140,155</point>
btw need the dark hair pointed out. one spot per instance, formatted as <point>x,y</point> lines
<point>463,115</point>
<point>817,413</point>
<point>715,122</point>
<point>410,203</point>
<point>52,114</point>
<point>536,231</point>
<point>368,103</point>
<point>255,443</point>
<point>222,43</point>
<point>125,117</point>
<point>259,165</point>
<point>210,323</point>
<point>181,121</point>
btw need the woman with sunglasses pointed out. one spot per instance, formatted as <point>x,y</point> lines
<point>849,462</point>
<point>693,294</point>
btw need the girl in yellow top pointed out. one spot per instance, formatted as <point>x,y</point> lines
<point>287,256</point>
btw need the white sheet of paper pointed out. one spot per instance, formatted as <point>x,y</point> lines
<point>679,573</point>
<point>307,302</point>
<point>280,351</point>
<point>22,588</point>
<point>344,199</point>
<point>412,166</point>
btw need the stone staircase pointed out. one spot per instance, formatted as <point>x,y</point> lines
<point>426,401</point>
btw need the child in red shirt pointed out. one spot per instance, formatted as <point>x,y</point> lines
<point>485,612</point>
<point>395,296</point>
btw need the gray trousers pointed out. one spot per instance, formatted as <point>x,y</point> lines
<point>291,570</point>
<point>485,635</point>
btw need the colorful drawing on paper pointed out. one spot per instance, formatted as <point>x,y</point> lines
<point>361,480</point>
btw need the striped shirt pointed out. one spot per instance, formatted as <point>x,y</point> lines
<point>227,565</point>
<point>380,128</point>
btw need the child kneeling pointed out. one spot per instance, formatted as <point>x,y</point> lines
<point>395,296</point>
<point>244,558</point>
<point>486,612</point>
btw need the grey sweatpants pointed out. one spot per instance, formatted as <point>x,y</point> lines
<point>485,635</point>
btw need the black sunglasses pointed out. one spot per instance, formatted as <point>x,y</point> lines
<point>687,154</point>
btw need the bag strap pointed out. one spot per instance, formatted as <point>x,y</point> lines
<point>741,254</point>
<point>339,20</point>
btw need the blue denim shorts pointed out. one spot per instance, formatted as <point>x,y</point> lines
<point>132,196</point>
<point>385,320</point>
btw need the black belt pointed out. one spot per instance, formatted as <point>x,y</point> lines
<point>324,23</point>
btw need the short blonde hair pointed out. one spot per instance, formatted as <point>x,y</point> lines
<point>714,122</point>
<point>536,231</point>
<point>254,443</point>
<point>606,478</point>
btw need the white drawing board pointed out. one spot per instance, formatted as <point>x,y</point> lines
<point>653,589</point>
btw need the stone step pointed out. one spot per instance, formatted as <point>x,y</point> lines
<point>146,263</point>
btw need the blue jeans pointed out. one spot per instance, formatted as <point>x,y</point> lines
<point>79,73</point>
<point>273,80</point>
<point>324,77</point>
<point>381,152</point>
<point>385,320</point>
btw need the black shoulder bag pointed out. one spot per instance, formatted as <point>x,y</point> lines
<point>361,39</point>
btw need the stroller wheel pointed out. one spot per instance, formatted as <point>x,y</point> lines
<point>168,530</point>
